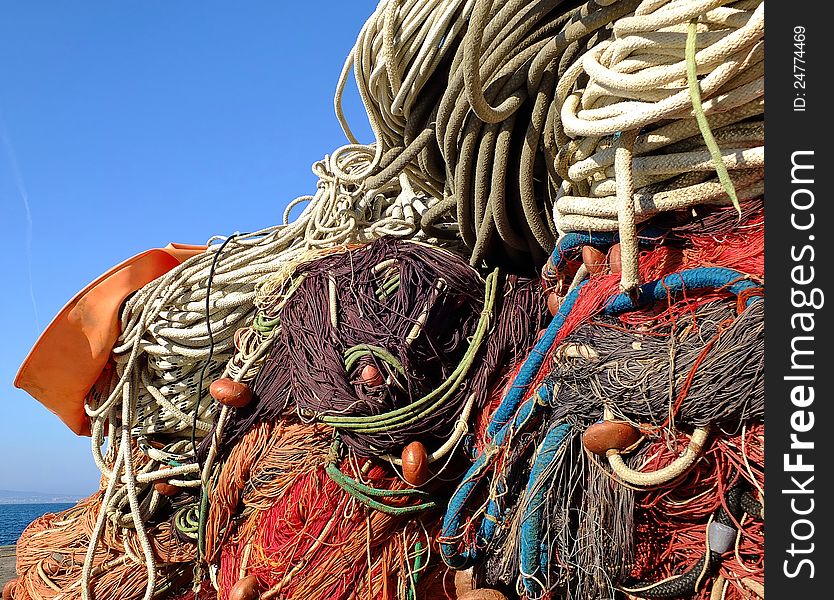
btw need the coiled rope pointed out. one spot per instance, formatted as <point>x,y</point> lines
<point>450,87</point>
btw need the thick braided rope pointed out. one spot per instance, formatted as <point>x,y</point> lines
<point>635,141</point>
<point>442,83</point>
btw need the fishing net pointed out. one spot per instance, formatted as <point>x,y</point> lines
<point>513,348</point>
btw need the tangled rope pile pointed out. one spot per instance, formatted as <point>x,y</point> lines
<point>634,103</point>
<point>118,569</point>
<point>369,396</point>
<point>491,115</point>
<point>464,539</point>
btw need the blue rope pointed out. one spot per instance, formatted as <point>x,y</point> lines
<point>453,519</point>
<point>698,278</point>
<point>534,554</point>
<point>690,279</point>
<point>510,418</point>
<point>495,508</point>
<point>575,240</point>
<point>531,365</point>
<point>600,239</point>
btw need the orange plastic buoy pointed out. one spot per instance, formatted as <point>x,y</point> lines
<point>603,436</point>
<point>165,488</point>
<point>230,393</point>
<point>482,594</point>
<point>594,260</point>
<point>86,330</point>
<point>247,588</point>
<point>370,375</point>
<point>9,588</point>
<point>554,301</point>
<point>614,261</point>
<point>415,463</point>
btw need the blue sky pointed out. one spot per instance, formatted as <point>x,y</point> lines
<point>124,126</point>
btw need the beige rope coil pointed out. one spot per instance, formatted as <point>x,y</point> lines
<point>634,85</point>
<point>444,83</point>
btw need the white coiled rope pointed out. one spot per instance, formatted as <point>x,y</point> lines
<point>396,52</point>
<point>630,144</point>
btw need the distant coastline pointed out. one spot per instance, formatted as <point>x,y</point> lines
<point>16,497</point>
<point>59,500</point>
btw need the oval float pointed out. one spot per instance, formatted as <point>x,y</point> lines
<point>603,436</point>
<point>230,393</point>
<point>594,260</point>
<point>370,375</point>
<point>415,463</point>
<point>247,588</point>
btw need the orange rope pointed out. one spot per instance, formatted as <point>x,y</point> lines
<point>51,552</point>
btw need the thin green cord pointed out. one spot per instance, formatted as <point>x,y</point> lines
<point>364,493</point>
<point>187,520</point>
<point>347,482</point>
<point>701,118</point>
<point>414,575</point>
<point>394,419</point>
<point>415,411</point>
<point>388,287</point>
<point>353,354</point>
<point>394,511</point>
<point>265,325</point>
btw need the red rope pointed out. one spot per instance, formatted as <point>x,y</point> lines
<point>671,521</point>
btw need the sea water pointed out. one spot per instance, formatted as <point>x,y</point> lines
<point>15,517</point>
